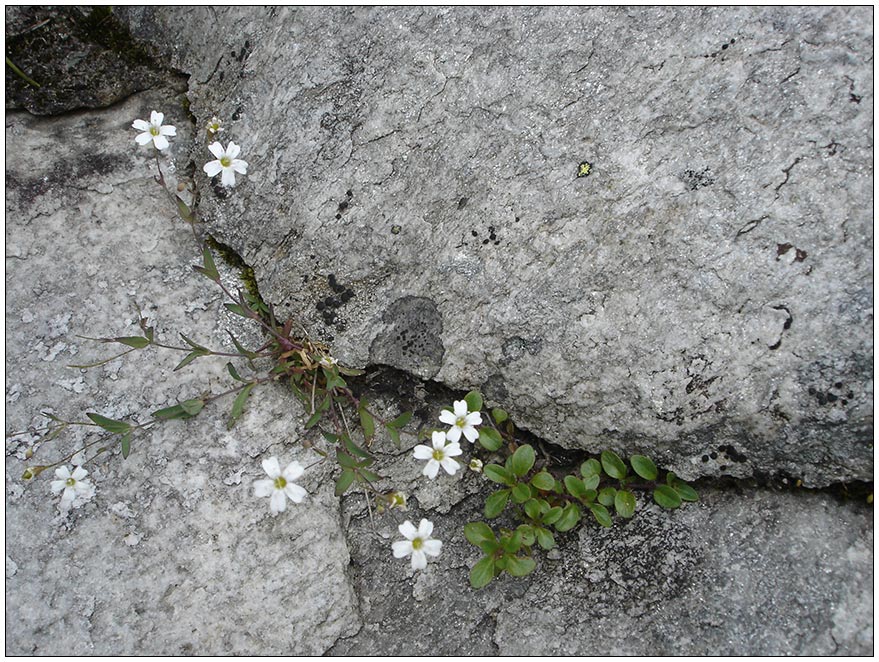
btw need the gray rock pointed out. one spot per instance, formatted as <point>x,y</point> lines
<point>753,572</point>
<point>171,556</point>
<point>702,295</point>
<point>75,57</point>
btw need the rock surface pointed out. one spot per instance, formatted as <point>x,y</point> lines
<point>174,554</point>
<point>702,295</point>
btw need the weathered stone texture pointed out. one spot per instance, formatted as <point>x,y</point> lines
<point>704,291</point>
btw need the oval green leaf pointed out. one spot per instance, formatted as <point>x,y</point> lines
<point>644,467</point>
<point>624,502</point>
<point>519,566</point>
<point>543,481</point>
<point>496,502</point>
<point>602,516</point>
<point>606,496</point>
<point>521,493</point>
<point>666,497</point>
<point>344,481</point>
<point>473,400</point>
<point>590,468</point>
<point>684,491</point>
<point>613,465</point>
<point>523,460</point>
<point>482,573</point>
<point>478,532</point>
<point>490,439</point>
<point>498,474</point>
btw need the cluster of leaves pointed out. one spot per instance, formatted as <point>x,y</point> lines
<point>547,501</point>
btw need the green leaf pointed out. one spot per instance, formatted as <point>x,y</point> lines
<point>193,406</point>
<point>371,476</point>
<point>624,502</point>
<point>590,468</point>
<point>235,308</point>
<point>238,405</point>
<point>133,341</point>
<point>314,418</point>
<point>606,496</point>
<point>666,497</point>
<point>184,210</point>
<point>233,372</point>
<point>344,481</point>
<point>109,424</point>
<point>473,400</point>
<point>478,532</point>
<point>543,481</point>
<point>366,422</point>
<point>192,356</point>
<point>496,502</point>
<point>512,543</point>
<point>210,269</point>
<point>552,515</point>
<point>545,538</point>
<point>592,482</point>
<point>351,372</point>
<point>521,493</point>
<point>499,415</point>
<point>125,443</point>
<point>345,460</point>
<point>401,420</point>
<point>519,566</point>
<point>194,344</point>
<point>527,533</point>
<point>686,492</point>
<point>532,508</point>
<point>482,573</point>
<point>602,516</point>
<point>394,434</point>
<point>498,474</point>
<point>241,350</point>
<point>644,467</point>
<point>170,413</point>
<point>490,439</point>
<point>523,460</point>
<point>613,465</point>
<point>570,517</point>
<point>575,486</point>
<point>353,448</point>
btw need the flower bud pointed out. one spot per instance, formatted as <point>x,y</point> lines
<point>476,465</point>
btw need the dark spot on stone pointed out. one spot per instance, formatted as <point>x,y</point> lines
<point>320,305</point>
<point>696,180</point>
<point>844,401</point>
<point>517,219</point>
<point>776,345</point>
<point>338,216</point>
<point>811,390</point>
<point>237,114</point>
<point>723,467</point>
<point>849,395</point>
<point>734,455</point>
<point>396,229</point>
<point>831,397</point>
<point>343,205</point>
<point>781,249</point>
<point>713,455</point>
<point>838,385</point>
<point>411,339</point>
<point>801,255</point>
<point>515,347</point>
<point>495,388</point>
<point>855,98</point>
<point>705,458</point>
<point>328,121</point>
<point>462,203</point>
<point>474,233</point>
<point>484,241</point>
<point>724,47</point>
<point>349,193</point>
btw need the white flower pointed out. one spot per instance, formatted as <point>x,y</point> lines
<point>73,484</point>
<point>438,456</point>
<point>226,162</point>
<point>215,126</point>
<point>461,422</point>
<point>279,486</point>
<point>328,362</point>
<point>418,543</point>
<point>153,130</point>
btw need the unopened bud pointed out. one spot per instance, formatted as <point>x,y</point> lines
<point>397,500</point>
<point>476,465</point>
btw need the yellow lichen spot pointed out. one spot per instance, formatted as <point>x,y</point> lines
<point>584,169</point>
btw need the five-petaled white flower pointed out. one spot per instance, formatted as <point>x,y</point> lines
<point>328,362</point>
<point>461,422</point>
<point>73,484</point>
<point>153,130</point>
<point>418,543</point>
<point>439,456</point>
<point>226,162</point>
<point>279,485</point>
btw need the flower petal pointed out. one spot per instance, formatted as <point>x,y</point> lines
<point>460,407</point>
<point>140,125</point>
<point>450,465</point>
<point>228,179</point>
<point>408,530</point>
<point>233,150</point>
<point>279,501</point>
<point>422,452</point>
<point>425,528</point>
<point>156,118</point>
<point>454,434</point>
<point>239,166</point>
<point>293,470</point>
<point>295,493</point>
<point>161,142</point>
<point>402,548</point>
<point>79,473</point>
<point>419,560</point>
<point>438,439</point>
<point>57,486</point>
<point>213,168</point>
<point>471,434</point>
<point>473,418</point>
<point>143,138</point>
<point>447,417</point>
<point>271,467</point>
<point>217,150</point>
<point>453,449</point>
<point>62,472</point>
<point>264,487</point>
<point>432,547</point>
<point>432,469</point>
<point>168,130</point>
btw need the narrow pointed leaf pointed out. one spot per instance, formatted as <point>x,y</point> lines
<point>109,424</point>
<point>238,405</point>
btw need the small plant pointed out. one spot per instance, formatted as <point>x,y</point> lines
<point>545,498</point>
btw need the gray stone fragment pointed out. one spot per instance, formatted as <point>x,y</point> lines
<point>169,557</point>
<point>706,286</point>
